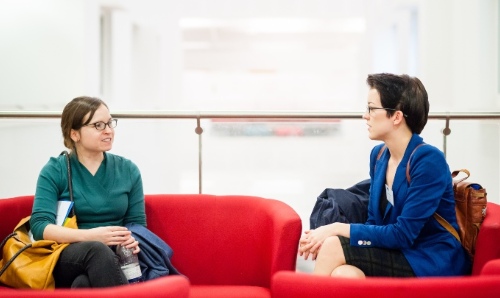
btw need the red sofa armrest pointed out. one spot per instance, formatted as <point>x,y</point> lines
<point>487,247</point>
<point>302,285</point>
<point>491,268</point>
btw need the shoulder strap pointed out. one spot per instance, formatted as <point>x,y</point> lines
<point>11,260</point>
<point>408,163</point>
<point>443,222</point>
<point>381,151</point>
<point>70,180</point>
<point>446,225</point>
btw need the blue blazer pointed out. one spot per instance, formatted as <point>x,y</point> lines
<point>409,225</point>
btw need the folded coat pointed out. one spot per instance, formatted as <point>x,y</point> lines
<point>341,205</point>
<point>155,254</point>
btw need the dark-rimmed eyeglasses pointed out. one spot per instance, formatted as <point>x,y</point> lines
<point>100,125</point>
<point>370,109</point>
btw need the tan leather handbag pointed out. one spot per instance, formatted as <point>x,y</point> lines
<point>29,264</point>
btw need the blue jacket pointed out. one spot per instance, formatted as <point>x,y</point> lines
<point>155,254</point>
<point>341,205</point>
<point>408,225</point>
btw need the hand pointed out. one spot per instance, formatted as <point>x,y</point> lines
<point>110,235</point>
<point>303,251</point>
<point>132,243</point>
<point>311,241</point>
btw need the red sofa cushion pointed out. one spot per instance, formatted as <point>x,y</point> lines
<point>228,292</point>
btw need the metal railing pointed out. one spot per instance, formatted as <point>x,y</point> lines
<point>263,115</point>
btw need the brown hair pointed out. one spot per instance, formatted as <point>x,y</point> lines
<point>404,93</point>
<point>73,114</point>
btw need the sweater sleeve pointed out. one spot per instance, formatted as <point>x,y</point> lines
<point>50,181</point>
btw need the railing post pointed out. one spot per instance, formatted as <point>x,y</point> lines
<point>199,131</point>
<point>446,132</point>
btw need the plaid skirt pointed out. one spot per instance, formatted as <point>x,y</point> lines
<point>375,261</point>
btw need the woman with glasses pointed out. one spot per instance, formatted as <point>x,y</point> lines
<point>410,182</point>
<point>108,194</point>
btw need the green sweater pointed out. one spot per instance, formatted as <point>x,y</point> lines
<point>112,197</point>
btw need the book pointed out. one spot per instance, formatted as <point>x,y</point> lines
<point>63,210</point>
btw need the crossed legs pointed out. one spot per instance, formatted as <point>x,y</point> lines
<point>330,261</point>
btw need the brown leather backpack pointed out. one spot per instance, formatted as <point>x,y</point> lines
<point>470,206</point>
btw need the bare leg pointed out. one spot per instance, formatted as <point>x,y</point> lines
<point>330,256</point>
<point>331,261</point>
<point>348,271</point>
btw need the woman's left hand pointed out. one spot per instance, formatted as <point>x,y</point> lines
<point>311,241</point>
<point>303,251</point>
<point>132,243</point>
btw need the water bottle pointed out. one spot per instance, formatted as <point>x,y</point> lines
<point>129,262</point>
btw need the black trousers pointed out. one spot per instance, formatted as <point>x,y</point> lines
<point>88,264</point>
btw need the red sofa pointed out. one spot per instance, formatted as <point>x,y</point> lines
<point>226,246</point>
<point>484,281</point>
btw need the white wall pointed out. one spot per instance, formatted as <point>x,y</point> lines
<point>458,65</point>
<point>46,56</point>
<point>459,48</point>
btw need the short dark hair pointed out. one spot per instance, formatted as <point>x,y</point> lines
<point>404,93</point>
<point>73,114</point>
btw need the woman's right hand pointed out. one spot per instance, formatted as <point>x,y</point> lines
<point>110,235</point>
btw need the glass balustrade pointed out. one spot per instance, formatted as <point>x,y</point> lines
<point>283,157</point>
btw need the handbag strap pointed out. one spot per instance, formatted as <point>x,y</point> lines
<point>7,238</point>
<point>7,264</point>
<point>70,180</point>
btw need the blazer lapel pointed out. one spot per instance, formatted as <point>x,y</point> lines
<point>379,183</point>
<point>400,178</point>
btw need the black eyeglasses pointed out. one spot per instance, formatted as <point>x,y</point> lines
<point>102,125</point>
<point>369,109</point>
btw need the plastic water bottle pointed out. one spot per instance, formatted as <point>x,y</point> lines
<point>129,262</point>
